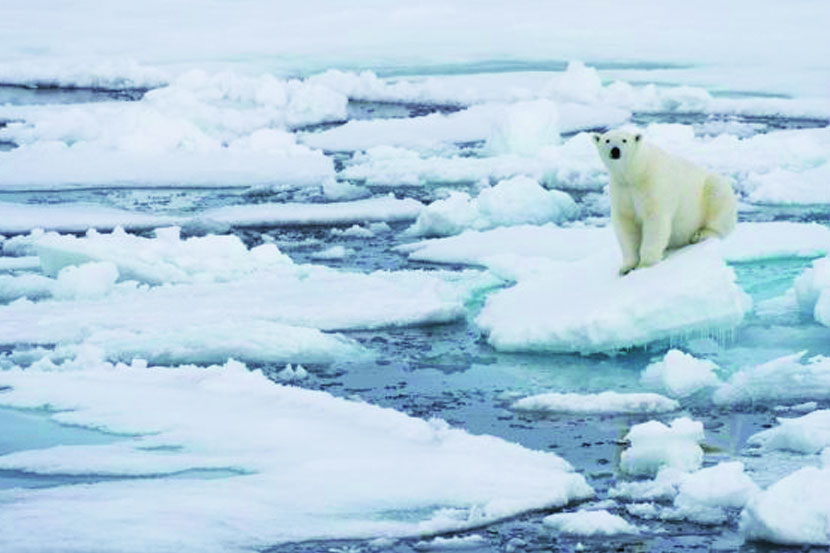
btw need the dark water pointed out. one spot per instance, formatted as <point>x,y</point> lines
<point>449,371</point>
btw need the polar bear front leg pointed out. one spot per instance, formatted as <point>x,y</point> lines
<point>656,235</point>
<point>628,235</point>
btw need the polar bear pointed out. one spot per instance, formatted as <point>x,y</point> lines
<point>659,201</point>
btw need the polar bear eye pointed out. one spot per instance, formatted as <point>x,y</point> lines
<point>608,141</point>
<point>624,140</point>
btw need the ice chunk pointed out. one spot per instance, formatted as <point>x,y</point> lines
<point>680,374</point>
<point>31,286</point>
<point>524,128</point>
<point>586,307</point>
<point>385,473</point>
<point>812,290</point>
<point>515,201</point>
<point>602,403</point>
<point>86,281</point>
<point>655,446</point>
<point>794,510</point>
<point>589,523</point>
<point>459,543</point>
<point>333,253</point>
<point>784,378</point>
<point>703,495</point>
<point>807,434</point>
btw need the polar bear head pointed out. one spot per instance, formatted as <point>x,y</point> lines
<point>617,148</point>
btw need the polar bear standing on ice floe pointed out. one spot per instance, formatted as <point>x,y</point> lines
<point>659,201</point>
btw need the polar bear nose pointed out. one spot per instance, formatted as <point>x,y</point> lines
<point>615,153</point>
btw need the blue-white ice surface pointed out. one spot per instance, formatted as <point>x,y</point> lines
<point>300,205</point>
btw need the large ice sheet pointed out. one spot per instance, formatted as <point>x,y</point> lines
<point>297,295</point>
<point>297,465</point>
<point>586,307</point>
<point>749,242</point>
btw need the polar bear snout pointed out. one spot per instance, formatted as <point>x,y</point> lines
<point>615,153</point>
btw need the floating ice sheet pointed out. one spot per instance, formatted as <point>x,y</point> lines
<point>586,307</point>
<point>308,466</point>
<point>589,523</point>
<point>749,242</point>
<point>601,403</point>
<point>302,295</point>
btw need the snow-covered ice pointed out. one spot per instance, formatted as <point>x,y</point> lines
<point>680,374</point>
<point>792,511</point>
<point>515,201</point>
<point>788,378</point>
<point>586,307</point>
<point>590,523</point>
<point>807,434</point>
<point>655,446</point>
<point>812,290</point>
<point>602,403</point>
<point>283,445</point>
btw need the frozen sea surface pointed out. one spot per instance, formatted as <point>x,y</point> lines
<point>376,326</point>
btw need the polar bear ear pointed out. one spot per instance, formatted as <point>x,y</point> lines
<point>596,136</point>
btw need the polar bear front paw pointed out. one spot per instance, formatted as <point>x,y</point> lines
<point>627,268</point>
<point>703,234</point>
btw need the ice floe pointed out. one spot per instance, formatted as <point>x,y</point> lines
<point>702,496</point>
<point>679,374</point>
<point>655,446</point>
<point>602,403</point>
<point>749,242</point>
<point>812,291</point>
<point>586,307</point>
<point>792,511</point>
<point>515,201</point>
<point>807,434</point>
<point>323,467</point>
<point>788,378</point>
<point>214,317</point>
<point>589,523</point>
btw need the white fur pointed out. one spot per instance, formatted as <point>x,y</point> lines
<point>659,201</point>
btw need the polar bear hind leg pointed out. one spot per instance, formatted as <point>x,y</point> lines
<point>721,209</point>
